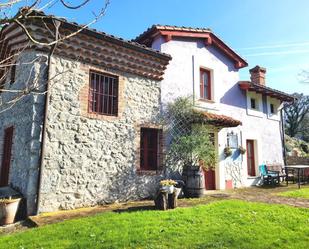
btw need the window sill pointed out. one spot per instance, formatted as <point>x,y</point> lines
<point>207,100</point>
<point>255,113</point>
<point>149,172</point>
<point>252,177</point>
<point>274,117</point>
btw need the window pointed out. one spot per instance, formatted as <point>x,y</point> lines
<point>13,72</point>
<point>205,84</point>
<point>150,148</point>
<point>272,109</point>
<point>103,94</point>
<point>252,103</point>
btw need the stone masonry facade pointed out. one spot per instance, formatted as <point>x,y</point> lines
<point>94,159</point>
<point>26,117</point>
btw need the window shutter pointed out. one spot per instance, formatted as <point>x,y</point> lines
<point>6,157</point>
<point>201,85</point>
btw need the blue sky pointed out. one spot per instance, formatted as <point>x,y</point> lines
<point>273,33</point>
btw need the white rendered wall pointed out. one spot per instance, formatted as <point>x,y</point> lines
<point>182,79</point>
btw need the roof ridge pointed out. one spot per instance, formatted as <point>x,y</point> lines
<point>183,28</point>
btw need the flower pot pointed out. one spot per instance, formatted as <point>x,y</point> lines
<point>168,189</point>
<point>8,210</point>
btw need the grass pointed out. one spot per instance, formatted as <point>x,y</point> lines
<point>297,193</point>
<point>221,224</point>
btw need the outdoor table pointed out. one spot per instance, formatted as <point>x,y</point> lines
<point>295,167</point>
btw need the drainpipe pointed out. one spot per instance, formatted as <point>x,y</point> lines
<point>283,136</point>
<point>50,54</point>
<point>193,80</point>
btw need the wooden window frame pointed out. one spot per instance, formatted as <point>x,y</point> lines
<point>202,86</point>
<point>99,101</point>
<point>144,150</point>
<point>6,156</point>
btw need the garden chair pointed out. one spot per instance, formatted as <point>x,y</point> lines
<point>269,177</point>
<point>277,168</point>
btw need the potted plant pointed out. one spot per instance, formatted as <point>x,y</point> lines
<point>8,210</point>
<point>168,185</point>
<point>192,147</point>
<point>242,150</point>
<point>227,151</point>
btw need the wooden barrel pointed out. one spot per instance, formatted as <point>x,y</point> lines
<point>193,177</point>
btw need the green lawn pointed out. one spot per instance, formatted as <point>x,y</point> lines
<point>222,224</point>
<point>297,193</point>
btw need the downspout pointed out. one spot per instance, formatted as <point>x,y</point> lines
<point>193,81</point>
<point>48,73</point>
<point>283,136</point>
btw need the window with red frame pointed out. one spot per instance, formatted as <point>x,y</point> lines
<point>103,94</point>
<point>150,147</point>
<point>205,84</point>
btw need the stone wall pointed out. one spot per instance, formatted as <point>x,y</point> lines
<point>294,160</point>
<point>26,116</point>
<point>93,159</point>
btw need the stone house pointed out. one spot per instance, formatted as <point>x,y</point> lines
<point>95,136</point>
<point>89,131</point>
<point>206,68</point>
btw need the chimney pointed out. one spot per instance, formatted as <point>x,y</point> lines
<point>258,75</point>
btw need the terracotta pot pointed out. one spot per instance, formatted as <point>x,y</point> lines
<point>8,211</point>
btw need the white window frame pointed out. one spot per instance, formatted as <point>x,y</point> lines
<point>276,103</point>
<point>258,111</point>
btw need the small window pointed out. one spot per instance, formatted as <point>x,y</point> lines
<point>272,109</point>
<point>253,103</point>
<point>205,84</point>
<point>150,147</point>
<point>13,72</point>
<point>103,94</point>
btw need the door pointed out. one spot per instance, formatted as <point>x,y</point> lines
<point>6,156</point>
<point>210,174</point>
<point>250,158</point>
<point>210,179</point>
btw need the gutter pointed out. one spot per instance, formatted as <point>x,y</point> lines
<point>50,54</point>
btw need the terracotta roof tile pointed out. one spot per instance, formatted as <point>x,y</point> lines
<point>171,27</point>
<point>218,119</point>
<point>247,85</point>
<point>132,44</point>
<point>148,36</point>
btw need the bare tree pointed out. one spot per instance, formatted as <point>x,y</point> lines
<point>295,114</point>
<point>28,12</point>
<point>304,76</point>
